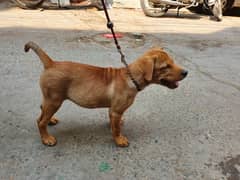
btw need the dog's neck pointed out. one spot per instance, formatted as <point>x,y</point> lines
<point>138,76</point>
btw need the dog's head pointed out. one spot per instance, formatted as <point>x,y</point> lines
<point>159,68</point>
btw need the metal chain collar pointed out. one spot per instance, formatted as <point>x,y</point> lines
<point>110,26</point>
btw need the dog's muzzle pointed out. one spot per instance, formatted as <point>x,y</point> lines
<point>174,84</point>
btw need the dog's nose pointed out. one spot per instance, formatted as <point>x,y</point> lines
<point>184,73</point>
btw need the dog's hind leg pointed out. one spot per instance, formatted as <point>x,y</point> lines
<point>53,121</point>
<point>49,107</point>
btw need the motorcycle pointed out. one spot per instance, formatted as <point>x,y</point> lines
<point>157,8</point>
<point>34,4</point>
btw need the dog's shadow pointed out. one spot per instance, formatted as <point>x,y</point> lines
<point>86,134</point>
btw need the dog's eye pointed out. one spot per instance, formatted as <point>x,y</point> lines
<point>166,66</point>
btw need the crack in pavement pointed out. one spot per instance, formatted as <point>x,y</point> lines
<point>210,76</point>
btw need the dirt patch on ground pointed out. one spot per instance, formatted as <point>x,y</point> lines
<point>129,40</point>
<point>231,168</point>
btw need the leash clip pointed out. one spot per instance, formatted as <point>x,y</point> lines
<point>109,25</point>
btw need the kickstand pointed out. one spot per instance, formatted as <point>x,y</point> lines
<point>178,10</point>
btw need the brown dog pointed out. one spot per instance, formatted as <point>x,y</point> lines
<point>95,87</point>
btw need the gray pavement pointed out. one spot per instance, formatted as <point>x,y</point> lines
<point>191,133</point>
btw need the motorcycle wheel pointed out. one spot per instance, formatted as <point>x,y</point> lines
<point>153,10</point>
<point>28,4</point>
<point>204,9</point>
<point>226,6</point>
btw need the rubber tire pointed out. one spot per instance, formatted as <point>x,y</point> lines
<point>29,5</point>
<point>227,6</point>
<point>149,13</point>
<point>204,10</point>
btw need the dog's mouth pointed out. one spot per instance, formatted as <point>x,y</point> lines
<point>169,84</point>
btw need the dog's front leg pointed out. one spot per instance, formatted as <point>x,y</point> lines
<point>115,121</point>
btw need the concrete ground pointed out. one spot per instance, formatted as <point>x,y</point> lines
<point>191,133</point>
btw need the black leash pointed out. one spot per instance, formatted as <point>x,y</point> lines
<point>110,26</point>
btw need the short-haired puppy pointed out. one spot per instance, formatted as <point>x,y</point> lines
<point>97,87</point>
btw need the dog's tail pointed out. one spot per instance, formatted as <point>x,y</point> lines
<point>46,60</point>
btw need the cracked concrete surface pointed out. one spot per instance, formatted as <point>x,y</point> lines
<point>190,133</point>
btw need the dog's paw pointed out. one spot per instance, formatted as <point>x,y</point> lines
<point>49,140</point>
<point>121,141</point>
<point>53,121</point>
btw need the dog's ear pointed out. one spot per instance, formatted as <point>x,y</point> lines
<point>148,68</point>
